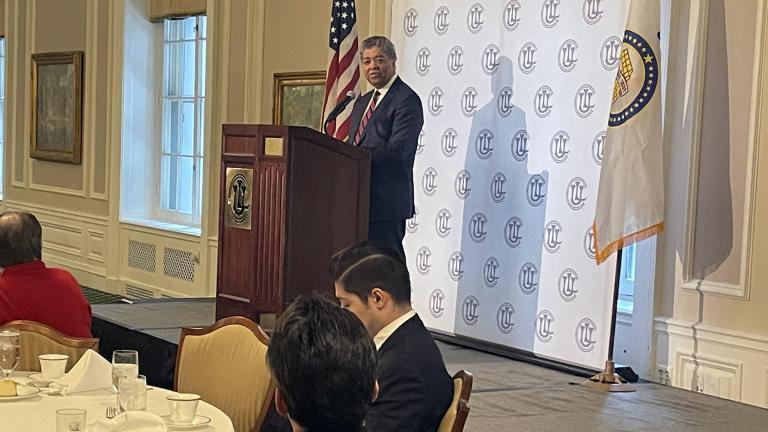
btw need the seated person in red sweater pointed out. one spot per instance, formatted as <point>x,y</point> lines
<point>31,291</point>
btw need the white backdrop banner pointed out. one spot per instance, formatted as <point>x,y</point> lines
<point>517,95</point>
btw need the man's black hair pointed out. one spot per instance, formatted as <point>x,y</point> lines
<point>364,266</point>
<point>324,363</point>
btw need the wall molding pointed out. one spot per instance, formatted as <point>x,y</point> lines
<point>765,386</point>
<point>741,290</point>
<point>376,23</point>
<point>254,64</point>
<point>30,47</point>
<point>95,245</point>
<point>713,360</point>
<point>732,339</point>
<point>58,213</point>
<point>69,240</point>
<point>57,190</point>
<point>12,98</point>
<point>156,232</point>
<point>709,371</point>
<point>115,54</point>
<point>89,110</point>
<point>25,78</point>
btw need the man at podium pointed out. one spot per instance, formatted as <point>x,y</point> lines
<point>387,120</point>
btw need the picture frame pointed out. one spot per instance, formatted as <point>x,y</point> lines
<point>298,99</point>
<point>57,106</point>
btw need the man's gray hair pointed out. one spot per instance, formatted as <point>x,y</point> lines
<point>380,42</point>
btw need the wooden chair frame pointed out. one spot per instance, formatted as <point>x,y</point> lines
<point>54,335</point>
<point>463,406</point>
<point>232,320</point>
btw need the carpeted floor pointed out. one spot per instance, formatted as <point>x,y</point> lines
<point>515,396</point>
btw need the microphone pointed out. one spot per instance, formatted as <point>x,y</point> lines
<point>338,109</point>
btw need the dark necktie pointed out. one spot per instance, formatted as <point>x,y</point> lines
<point>366,117</point>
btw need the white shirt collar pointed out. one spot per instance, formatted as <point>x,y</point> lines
<point>390,328</point>
<point>383,91</point>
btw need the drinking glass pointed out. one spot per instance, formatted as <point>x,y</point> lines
<point>125,364</point>
<point>10,351</point>
<point>70,419</point>
<point>132,393</point>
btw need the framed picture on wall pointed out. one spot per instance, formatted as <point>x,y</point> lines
<point>298,99</point>
<point>57,106</point>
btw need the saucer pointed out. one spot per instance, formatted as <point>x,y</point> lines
<point>195,423</point>
<point>23,392</point>
<point>38,380</point>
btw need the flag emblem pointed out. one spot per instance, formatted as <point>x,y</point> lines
<point>636,52</point>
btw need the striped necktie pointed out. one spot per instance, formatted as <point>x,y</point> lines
<point>366,117</point>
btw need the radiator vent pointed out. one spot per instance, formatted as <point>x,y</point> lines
<point>141,255</point>
<point>179,264</point>
<point>138,293</point>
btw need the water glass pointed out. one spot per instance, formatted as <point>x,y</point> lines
<point>10,351</point>
<point>132,393</point>
<point>70,419</point>
<point>125,363</point>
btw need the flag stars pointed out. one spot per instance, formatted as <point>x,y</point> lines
<point>344,26</point>
<point>335,40</point>
<point>344,15</point>
<point>333,29</point>
<point>337,4</point>
<point>648,58</point>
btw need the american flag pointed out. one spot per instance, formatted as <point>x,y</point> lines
<point>343,65</point>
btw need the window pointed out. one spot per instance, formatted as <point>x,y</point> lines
<point>2,114</point>
<point>163,121</point>
<point>183,107</point>
<point>627,280</point>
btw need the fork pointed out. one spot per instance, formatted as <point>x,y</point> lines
<point>111,412</point>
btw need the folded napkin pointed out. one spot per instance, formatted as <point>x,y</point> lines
<point>133,421</point>
<point>91,372</point>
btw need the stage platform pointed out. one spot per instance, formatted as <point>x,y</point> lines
<point>508,395</point>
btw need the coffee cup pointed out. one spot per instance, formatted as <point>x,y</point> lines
<point>183,407</point>
<point>52,366</point>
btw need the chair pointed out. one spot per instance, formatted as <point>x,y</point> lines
<point>226,364</point>
<point>37,338</point>
<point>456,415</point>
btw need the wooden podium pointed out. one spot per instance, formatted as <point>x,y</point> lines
<point>290,198</point>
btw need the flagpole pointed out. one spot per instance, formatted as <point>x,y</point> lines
<point>608,380</point>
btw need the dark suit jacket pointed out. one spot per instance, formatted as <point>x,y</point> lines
<point>414,386</point>
<point>391,135</point>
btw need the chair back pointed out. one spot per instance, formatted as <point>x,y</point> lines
<point>37,338</point>
<point>456,415</point>
<point>226,364</point>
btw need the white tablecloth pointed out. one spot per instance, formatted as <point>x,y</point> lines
<point>38,413</point>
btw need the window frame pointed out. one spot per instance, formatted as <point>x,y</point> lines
<point>197,98</point>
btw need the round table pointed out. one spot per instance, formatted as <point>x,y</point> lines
<point>38,413</point>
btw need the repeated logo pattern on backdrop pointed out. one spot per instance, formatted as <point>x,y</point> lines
<point>516,98</point>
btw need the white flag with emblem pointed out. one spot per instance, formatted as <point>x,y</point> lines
<point>630,202</point>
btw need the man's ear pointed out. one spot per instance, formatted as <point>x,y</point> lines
<point>378,297</point>
<point>280,406</point>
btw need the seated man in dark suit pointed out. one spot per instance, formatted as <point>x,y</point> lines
<point>31,291</point>
<point>414,387</point>
<point>324,364</point>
